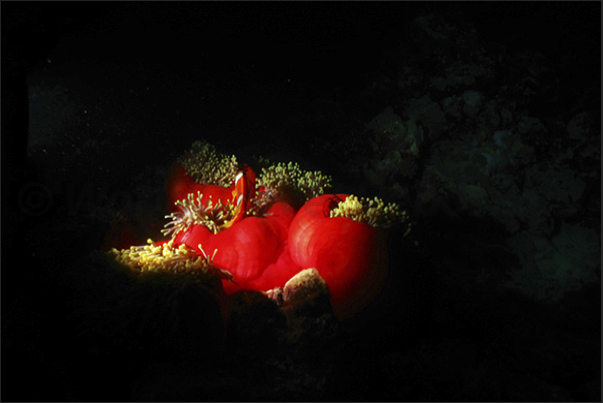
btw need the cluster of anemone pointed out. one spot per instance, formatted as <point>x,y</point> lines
<point>289,179</point>
<point>373,212</point>
<point>192,212</point>
<point>167,258</point>
<point>205,165</point>
<point>285,182</point>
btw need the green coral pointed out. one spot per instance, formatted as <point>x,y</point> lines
<point>205,165</point>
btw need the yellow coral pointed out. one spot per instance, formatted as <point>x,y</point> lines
<point>373,212</point>
<point>167,258</point>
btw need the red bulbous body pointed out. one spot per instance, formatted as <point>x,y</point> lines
<point>351,256</point>
<point>254,250</point>
<point>179,185</point>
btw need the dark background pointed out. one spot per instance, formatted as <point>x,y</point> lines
<point>121,89</point>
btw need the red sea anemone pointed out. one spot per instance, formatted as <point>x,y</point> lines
<point>251,232</point>
<point>350,255</point>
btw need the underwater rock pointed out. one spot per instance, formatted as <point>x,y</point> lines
<point>306,292</point>
<point>559,186</point>
<point>256,324</point>
<point>429,113</point>
<point>390,131</point>
<point>552,268</point>
<point>472,103</point>
<point>159,315</point>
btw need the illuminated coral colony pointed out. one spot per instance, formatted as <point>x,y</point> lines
<point>256,232</point>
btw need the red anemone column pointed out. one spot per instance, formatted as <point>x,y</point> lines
<point>351,256</point>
